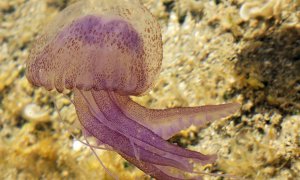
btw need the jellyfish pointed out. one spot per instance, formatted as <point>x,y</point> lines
<point>105,52</point>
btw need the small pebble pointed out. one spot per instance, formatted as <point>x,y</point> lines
<point>33,112</point>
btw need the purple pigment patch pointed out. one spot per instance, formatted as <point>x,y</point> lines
<point>97,30</point>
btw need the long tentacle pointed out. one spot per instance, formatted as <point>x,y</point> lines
<point>150,169</point>
<point>151,157</point>
<point>60,119</point>
<point>120,142</point>
<point>129,127</point>
<point>87,143</point>
<point>104,167</point>
<point>168,122</point>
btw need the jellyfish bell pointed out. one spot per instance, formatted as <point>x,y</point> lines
<point>98,47</point>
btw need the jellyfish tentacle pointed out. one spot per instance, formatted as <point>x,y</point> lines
<point>120,142</point>
<point>99,160</point>
<point>130,127</point>
<point>136,152</point>
<point>160,170</point>
<point>168,122</point>
<point>117,125</point>
<point>85,133</point>
<point>151,169</point>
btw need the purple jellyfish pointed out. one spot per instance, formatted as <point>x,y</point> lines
<point>106,51</point>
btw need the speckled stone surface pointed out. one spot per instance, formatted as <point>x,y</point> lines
<point>211,55</point>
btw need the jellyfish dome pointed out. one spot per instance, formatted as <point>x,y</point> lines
<point>98,46</point>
